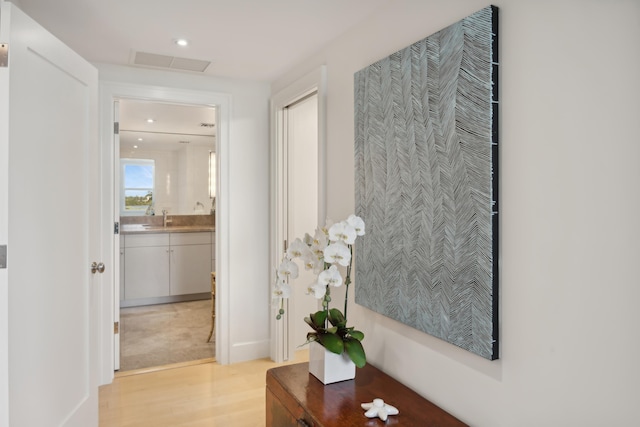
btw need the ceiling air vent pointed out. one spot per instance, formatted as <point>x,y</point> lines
<point>146,59</point>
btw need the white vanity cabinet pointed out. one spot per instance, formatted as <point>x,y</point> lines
<point>190,263</point>
<point>146,266</point>
<point>165,267</point>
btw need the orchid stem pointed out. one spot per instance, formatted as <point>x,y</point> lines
<point>327,298</point>
<point>346,294</point>
<point>347,282</point>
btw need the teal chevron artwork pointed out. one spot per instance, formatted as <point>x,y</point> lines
<point>426,179</point>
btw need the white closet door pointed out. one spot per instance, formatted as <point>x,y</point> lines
<point>50,201</point>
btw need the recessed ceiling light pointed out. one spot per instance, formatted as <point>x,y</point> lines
<point>139,139</point>
<point>150,120</point>
<point>135,146</point>
<point>181,42</point>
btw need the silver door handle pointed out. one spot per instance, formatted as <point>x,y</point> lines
<point>97,267</point>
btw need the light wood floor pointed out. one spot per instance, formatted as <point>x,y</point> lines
<point>205,394</point>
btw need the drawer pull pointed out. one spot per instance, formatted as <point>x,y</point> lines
<point>303,423</point>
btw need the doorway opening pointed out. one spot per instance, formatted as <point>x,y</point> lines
<point>165,188</point>
<point>110,92</point>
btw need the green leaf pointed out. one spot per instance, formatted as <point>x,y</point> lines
<point>355,351</point>
<point>332,342</point>
<point>337,318</point>
<point>357,335</point>
<point>318,318</point>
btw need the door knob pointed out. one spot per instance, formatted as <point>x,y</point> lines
<point>97,267</point>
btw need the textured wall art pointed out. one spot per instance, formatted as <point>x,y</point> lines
<point>427,185</point>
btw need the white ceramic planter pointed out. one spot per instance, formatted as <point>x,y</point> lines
<point>329,367</point>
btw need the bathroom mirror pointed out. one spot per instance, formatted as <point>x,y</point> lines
<point>165,158</point>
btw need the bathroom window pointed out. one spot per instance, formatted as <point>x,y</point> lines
<point>137,184</point>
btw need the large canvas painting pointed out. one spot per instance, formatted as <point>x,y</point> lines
<point>426,157</point>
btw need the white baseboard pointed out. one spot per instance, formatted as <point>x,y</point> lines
<point>242,352</point>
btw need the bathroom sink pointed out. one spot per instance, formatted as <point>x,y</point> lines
<point>153,226</point>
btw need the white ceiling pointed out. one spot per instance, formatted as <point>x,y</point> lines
<point>247,39</point>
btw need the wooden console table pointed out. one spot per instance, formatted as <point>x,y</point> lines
<point>296,398</point>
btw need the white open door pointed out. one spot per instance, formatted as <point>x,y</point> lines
<point>298,193</point>
<point>301,200</point>
<point>118,258</point>
<point>49,222</point>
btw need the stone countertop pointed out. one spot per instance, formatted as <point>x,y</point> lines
<point>150,229</point>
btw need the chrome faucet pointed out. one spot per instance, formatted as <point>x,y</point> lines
<point>165,220</point>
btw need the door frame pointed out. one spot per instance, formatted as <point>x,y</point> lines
<point>315,81</point>
<point>109,93</point>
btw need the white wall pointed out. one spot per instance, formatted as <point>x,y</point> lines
<point>569,175</point>
<point>194,180</point>
<point>248,186</point>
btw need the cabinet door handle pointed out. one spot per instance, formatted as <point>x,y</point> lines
<point>303,423</point>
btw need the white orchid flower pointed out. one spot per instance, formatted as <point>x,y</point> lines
<point>319,240</point>
<point>314,261</point>
<point>317,290</point>
<point>297,249</point>
<point>308,240</point>
<point>342,232</point>
<point>318,244</point>
<point>287,270</point>
<point>326,252</point>
<point>330,277</point>
<point>357,223</point>
<point>337,253</point>
<point>328,224</point>
<point>318,266</point>
<point>282,290</point>
<point>311,261</point>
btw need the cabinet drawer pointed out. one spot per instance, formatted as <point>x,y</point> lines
<point>278,415</point>
<point>190,238</point>
<point>143,240</point>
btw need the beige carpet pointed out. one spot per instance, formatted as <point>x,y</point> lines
<point>162,334</point>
